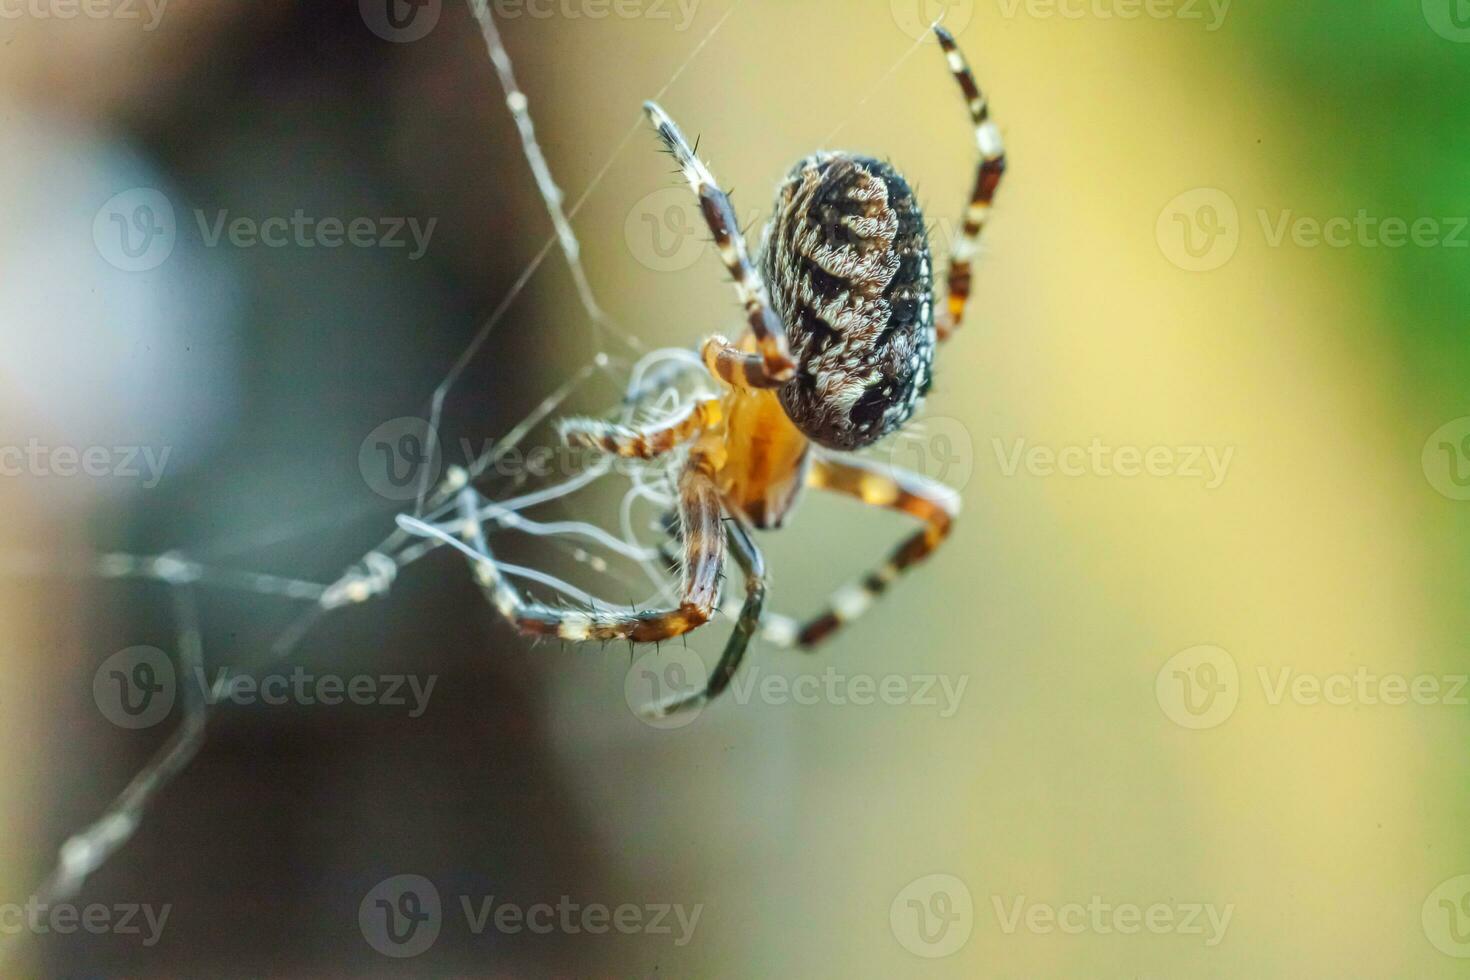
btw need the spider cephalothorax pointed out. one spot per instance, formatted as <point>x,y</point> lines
<point>846,260</point>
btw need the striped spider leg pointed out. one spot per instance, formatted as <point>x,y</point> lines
<point>650,442</point>
<point>747,624</point>
<point>770,365</point>
<point>700,513</point>
<point>934,504</point>
<point>987,179</point>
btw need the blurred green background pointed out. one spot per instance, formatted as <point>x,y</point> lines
<point>1128,733</point>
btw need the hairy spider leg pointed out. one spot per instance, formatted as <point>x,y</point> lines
<point>935,505</point>
<point>649,442</point>
<point>748,557</point>
<point>770,364</point>
<point>987,179</point>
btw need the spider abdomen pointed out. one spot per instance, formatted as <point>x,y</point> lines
<point>846,260</point>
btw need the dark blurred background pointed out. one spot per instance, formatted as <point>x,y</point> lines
<point>288,355</point>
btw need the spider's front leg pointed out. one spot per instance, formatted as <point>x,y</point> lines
<point>704,558</point>
<point>748,557</point>
<point>935,505</point>
<point>770,365</point>
<point>649,442</point>
<point>987,179</point>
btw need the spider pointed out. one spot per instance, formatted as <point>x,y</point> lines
<point>840,342</point>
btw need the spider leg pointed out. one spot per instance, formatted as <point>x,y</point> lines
<point>987,179</point>
<point>894,489</point>
<point>748,556</point>
<point>770,365</point>
<point>668,551</point>
<point>738,368</point>
<point>704,558</point>
<point>643,443</point>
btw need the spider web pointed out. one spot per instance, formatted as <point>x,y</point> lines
<point>451,514</point>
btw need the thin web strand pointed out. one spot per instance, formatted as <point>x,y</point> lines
<point>563,232</point>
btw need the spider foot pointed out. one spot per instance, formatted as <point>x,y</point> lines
<point>675,706</point>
